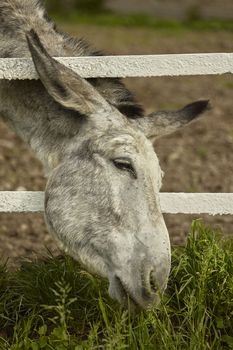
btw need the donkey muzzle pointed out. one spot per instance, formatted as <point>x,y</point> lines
<point>143,287</point>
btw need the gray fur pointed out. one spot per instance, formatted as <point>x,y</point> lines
<point>102,198</point>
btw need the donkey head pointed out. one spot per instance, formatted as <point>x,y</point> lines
<point>102,199</point>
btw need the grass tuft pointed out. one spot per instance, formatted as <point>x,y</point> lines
<point>54,304</point>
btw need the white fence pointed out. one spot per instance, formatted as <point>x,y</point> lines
<point>172,203</point>
<point>129,66</point>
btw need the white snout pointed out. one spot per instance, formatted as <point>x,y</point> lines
<point>142,284</point>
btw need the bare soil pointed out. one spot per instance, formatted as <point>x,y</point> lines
<point>198,158</point>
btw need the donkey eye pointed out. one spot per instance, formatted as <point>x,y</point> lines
<point>125,164</point>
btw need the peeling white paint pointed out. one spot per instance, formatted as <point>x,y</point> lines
<point>197,203</point>
<point>127,66</point>
<point>171,203</point>
<point>21,202</point>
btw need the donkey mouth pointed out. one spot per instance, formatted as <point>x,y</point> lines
<point>135,301</point>
<point>119,292</point>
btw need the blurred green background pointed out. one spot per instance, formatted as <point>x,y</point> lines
<point>175,14</point>
<point>68,6</point>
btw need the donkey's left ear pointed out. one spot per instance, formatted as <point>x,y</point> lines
<point>163,123</point>
<point>65,86</point>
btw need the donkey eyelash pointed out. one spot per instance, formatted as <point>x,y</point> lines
<point>124,164</point>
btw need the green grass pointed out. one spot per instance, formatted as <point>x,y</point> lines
<point>114,20</point>
<point>54,304</point>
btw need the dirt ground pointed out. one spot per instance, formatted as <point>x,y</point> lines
<point>196,159</point>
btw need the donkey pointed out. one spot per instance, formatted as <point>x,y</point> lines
<point>104,178</point>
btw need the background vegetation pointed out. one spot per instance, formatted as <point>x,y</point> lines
<point>93,12</point>
<point>68,6</point>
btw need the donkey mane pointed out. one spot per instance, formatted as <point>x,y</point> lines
<point>20,16</point>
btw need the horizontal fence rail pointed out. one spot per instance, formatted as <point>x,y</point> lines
<point>127,66</point>
<point>171,203</point>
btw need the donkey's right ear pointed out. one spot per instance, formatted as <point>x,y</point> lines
<point>64,85</point>
<point>166,122</point>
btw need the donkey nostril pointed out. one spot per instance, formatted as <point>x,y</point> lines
<point>153,284</point>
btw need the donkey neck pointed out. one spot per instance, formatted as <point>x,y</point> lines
<point>26,108</point>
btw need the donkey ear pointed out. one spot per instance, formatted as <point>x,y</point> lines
<point>64,85</point>
<point>163,123</point>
